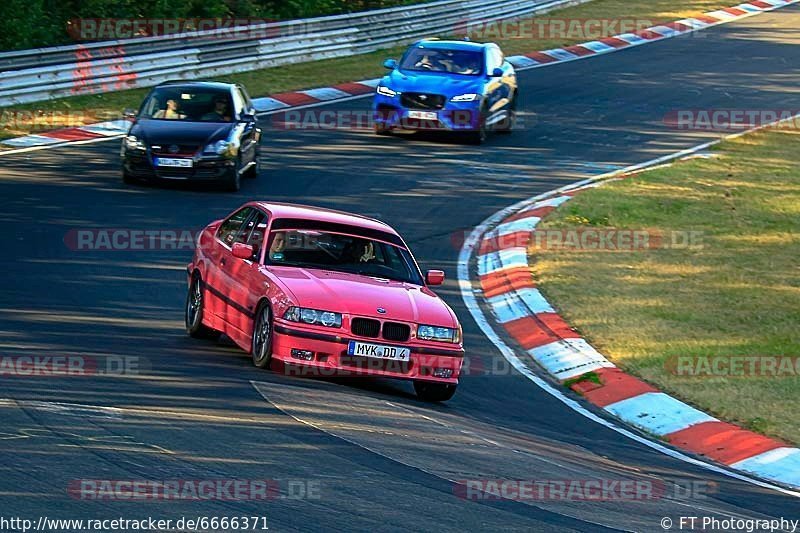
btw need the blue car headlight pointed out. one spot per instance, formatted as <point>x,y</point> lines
<point>385,91</point>
<point>467,97</point>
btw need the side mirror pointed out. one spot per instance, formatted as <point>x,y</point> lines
<point>129,113</point>
<point>497,73</point>
<point>434,277</point>
<point>249,116</point>
<point>390,64</point>
<point>242,251</point>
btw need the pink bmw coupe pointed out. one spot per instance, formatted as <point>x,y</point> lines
<point>328,292</point>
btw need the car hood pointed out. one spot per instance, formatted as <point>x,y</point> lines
<point>363,295</point>
<point>180,132</point>
<point>426,82</point>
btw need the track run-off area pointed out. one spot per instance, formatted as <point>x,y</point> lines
<point>375,456</point>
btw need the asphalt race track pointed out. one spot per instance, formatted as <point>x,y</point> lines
<point>381,459</point>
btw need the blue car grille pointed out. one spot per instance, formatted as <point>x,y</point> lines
<point>422,101</point>
<point>179,149</point>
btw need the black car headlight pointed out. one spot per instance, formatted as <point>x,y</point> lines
<point>223,148</point>
<point>132,142</point>
<point>313,316</point>
<point>437,333</point>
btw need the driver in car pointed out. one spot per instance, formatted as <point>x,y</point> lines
<point>429,62</point>
<point>277,246</point>
<point>368,253</point>
<point>220,112</point>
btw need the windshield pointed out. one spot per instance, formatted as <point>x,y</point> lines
<point>342,253</point>
<point>466,62</point>
<point>188,103</point>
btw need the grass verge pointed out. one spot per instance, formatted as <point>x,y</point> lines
<point>737,294</point>
<point>340,70</point>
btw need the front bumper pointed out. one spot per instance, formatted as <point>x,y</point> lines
<point>138,164</point>
<point>389,113</point>
<point>329,357</point>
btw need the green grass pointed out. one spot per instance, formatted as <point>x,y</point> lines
<point>339,70</point>
<point>736,295</point>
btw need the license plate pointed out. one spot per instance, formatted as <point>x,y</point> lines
<point>378,351</point>
<point>423,115</point>
<point>173,162</point>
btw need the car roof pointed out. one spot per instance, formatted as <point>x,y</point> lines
<point>451,45</point>
<point>199,84</point>
<point>308,212</point>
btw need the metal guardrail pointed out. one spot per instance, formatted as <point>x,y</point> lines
<point>47,73</point>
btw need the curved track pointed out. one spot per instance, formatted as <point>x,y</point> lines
<point>383,460</point>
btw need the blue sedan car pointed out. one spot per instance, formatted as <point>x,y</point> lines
<point>447,85</point>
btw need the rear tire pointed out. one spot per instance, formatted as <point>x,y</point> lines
<point>195,305</point>
<point>434,392</point>
<point>261,348</point>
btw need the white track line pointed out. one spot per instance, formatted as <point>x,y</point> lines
<point>470,302</point>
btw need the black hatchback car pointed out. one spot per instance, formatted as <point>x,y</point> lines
<point>193,130</point>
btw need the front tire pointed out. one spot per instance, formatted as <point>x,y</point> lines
<point>478,136</point>
<point>434,392</point>
<point>195,305</point>
<point>508,123</point>
<point>262,337</point>
<point>253,171</point>
<point>234,182</point>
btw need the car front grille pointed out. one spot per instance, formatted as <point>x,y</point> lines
<point>182,149</point>
<point>365,327</point>
<point>392,331</point>
<point>422,101</point>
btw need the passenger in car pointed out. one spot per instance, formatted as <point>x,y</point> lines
<point>170,112</point>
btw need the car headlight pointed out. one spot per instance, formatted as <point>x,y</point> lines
<point>436,333</point>
<point>385,91</point>
<point>132,142</point>
<point>219,148</point>
<point>313,316</point>
<point>468,97</point>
